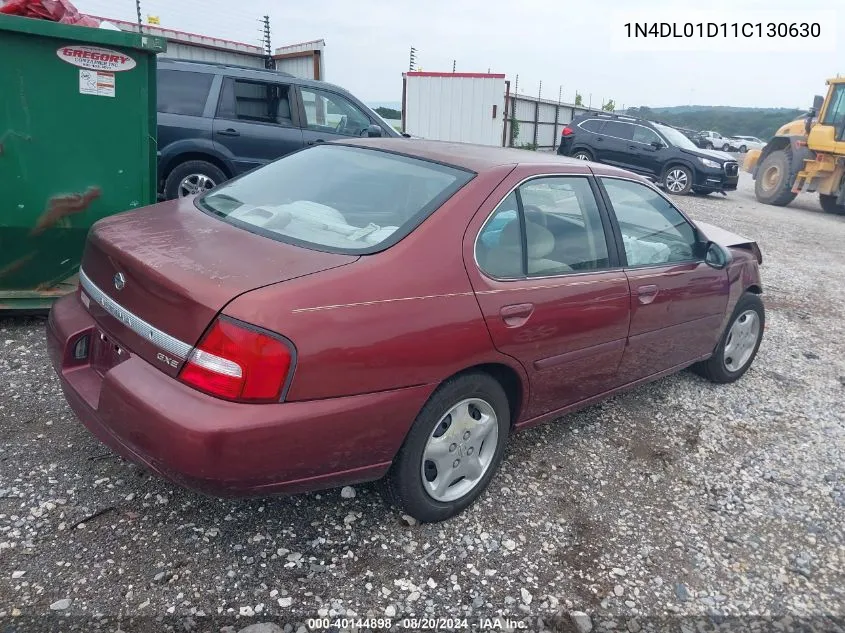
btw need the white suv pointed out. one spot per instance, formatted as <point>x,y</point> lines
<point>745,143</point>
<point>709,139</point>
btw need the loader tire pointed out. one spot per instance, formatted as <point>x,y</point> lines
<point>773,184</point>
<point>828,204</point>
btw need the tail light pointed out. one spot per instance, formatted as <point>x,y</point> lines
<point>237,362</point>
<point>567,131</point>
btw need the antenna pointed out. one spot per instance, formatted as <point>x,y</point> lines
<point>453,65</point>
<point>413,60</point>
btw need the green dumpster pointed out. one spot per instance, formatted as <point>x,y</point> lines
<point>77,143</point>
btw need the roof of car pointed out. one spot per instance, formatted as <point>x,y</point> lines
<point>466,155</point>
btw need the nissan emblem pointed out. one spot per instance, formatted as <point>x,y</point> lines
<point>119,281</point>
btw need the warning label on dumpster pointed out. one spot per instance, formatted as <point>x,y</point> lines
<point>92,82</point>
<point>95,58</point>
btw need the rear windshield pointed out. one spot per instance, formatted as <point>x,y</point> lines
<point>336,198</point>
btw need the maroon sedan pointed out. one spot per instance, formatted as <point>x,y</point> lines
<point>387,306</point>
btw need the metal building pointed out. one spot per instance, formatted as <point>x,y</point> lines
<point>464,107</point>
<point>304,60</point>
<point>479,108</point>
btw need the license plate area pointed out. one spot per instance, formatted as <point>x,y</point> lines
<point>106,353</point>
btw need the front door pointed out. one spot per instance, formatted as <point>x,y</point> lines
<point>329,115</point>
<point>678,301</point>
<point>549,286</point>
<point>256,123</point>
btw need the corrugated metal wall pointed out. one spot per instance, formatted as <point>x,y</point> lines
<point>216,55</point>
<point>540,121</point>
<point>297,66</point>
<point>455,107</point>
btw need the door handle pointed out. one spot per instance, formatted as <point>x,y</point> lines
<point>516,314</point>
<point>647,294</point>
<point>229,132</point>
<point>599,138</point>
<point>633,147</point>
<point>319,140</point>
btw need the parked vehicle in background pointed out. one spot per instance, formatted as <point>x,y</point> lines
<point>745,143</point>
<point>216,357</point>
<point>218,121</point>
<point>652,149</point>
<point>709,139</point>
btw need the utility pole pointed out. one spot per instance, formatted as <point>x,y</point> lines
<point>413,60</point>
<point>540,90</point>
<point>516,85</point>
<point>560,94</point>
<point>138,11</point>
<point>269,62</point>
<point>453,65</point>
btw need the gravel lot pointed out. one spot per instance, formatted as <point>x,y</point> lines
<point>680,506</point>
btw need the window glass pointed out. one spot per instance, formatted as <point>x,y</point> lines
<point>593,125</point>
<point>563,231</point>
<point>563,226</point>
<point>653,231</point>
<point>329,112</point>
<point>617,129</point>
<point>835,114</point>
<point>499,246</point>
<point>644,135</point>
<point>255,101</point>
<point>337,198</point>
<point>182,92</point>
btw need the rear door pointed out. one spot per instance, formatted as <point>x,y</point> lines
<point>678,301</point>
<point>617,140</point>
<point>256,122</point>
<point>182,98</point>
<point>328,115</point>
<point>549,287</point>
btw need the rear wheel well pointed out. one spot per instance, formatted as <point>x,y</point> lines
<point>507,378</point>
<point>184,158</point>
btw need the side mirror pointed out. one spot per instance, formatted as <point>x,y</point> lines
<point>716,255</point>
<point>657,145</point>
<point>374,131</point>
<point>818,102</point>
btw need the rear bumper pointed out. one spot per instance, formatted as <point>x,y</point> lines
<point>220,447</point>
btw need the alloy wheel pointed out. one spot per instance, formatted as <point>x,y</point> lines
<point>194,184</point>
<point>677,180</point>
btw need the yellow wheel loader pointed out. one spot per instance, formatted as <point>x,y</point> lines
<point>806,155</point>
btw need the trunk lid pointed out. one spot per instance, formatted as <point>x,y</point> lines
<point>179,268</point>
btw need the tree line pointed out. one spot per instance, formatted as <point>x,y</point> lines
<point>729,121</point>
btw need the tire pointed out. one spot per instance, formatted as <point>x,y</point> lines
<point>828,204</point>
<point>583,154</point>
<point>773,182</point>
<point>724,367</point>
<point>410,477</point>
<point>726,148</point>
<point>742,149</point>
<point>708,145</point>
<point>677,179</point>
<point>206,176</point>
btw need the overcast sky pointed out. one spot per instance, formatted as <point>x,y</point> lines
<point>558,42</point>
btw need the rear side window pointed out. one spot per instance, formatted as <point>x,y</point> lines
<point>255,101</point>
<point>336,198</point>
<point>617,129</point>
<point>182,92</point>
<point>593,125</point>
<point>552,226</point>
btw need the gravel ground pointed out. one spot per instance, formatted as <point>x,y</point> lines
<point>680,506</point>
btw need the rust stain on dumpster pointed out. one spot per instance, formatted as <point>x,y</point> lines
<point>17,264</point>
<point>61,206</point>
